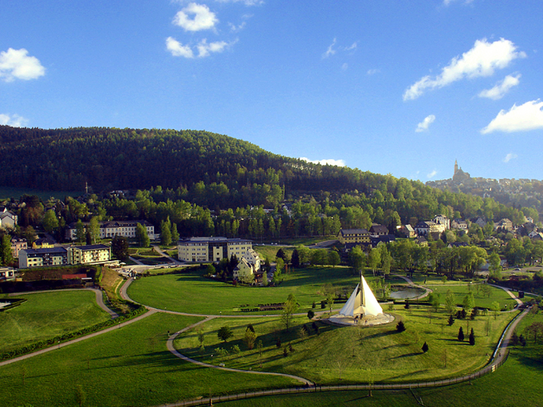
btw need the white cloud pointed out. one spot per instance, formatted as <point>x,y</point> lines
<point>339,163</point>
<point>501,88</point>
<point>352,47</point>
<point>204,48</point>
<point>481,60</point>
<point>16,64</point>
<point>177,49</point>
<point>246,2</point>
<point>520,118</point>
<point>330,51</point>
<point>12,120</point>
<point>448,2</point>
<point>509,157</point>
<point>372,71</point>
<point>236,28</point>
<point>432,174</point>
<point>195,17</point>
<point>423,125</point>
<point>345,66</point>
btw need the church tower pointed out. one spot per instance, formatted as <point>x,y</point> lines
<point>455,167</point>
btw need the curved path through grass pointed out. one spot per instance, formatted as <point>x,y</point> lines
<point>498,358</point>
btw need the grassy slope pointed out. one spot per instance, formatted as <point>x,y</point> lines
<point>128,367</point>
<point>355,355</point>
<point>46,315</point>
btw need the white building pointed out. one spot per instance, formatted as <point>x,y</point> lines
<point>124,228</point>
<point>202,249</point>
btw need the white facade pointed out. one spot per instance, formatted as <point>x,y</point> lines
<point>202,249</point>
<point>124,228</point>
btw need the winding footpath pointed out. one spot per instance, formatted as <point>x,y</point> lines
<point>497,359</point>
<point>499,356</point>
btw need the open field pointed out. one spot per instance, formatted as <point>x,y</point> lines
<point>193,293</point>
<point>127,367</point>
<point>46,315</point>
<point>353,355</point>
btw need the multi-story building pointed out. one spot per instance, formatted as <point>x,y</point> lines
<point>347,236</point>
<point>125,228</point>
<point>52,256</point>
<point>18,244</point>
<point>90,254</point>
<point>200,249</point>
<point>60,256</point>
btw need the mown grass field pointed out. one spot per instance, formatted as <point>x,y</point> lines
<point>193,293</point>
<point>127,367</point>
<point>353,354</point>
<point>46,315</point>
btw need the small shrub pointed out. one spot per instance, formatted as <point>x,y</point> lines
<point>400,326</point>
<point>425,347</point>
<point>451,320</point>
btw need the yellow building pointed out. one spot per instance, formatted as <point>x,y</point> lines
<point>90,254</point>
<point>347,236</point>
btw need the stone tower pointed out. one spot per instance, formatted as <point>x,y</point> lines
<point>455,167</point>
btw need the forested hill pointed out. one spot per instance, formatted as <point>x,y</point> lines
<point>109,159</point>
<point>217,171</point>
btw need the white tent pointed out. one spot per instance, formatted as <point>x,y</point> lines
<point>362,302</point>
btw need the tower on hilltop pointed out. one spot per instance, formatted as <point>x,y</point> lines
<point>455,167</point>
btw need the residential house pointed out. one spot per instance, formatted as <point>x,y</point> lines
<point>8,220</point>
<point>43,243</point>
<point>504,224</point>
<point>406,231</point>
<point>459,224</point>
<point>443,220</point>
<point>378,230</point>
<point>18,244</point>
<point>203,249</point>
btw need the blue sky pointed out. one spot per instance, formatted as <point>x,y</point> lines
<point>384,86</point>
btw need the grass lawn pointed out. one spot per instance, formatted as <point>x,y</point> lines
<point>194,294</point>
<point>46,315</point>
<point>353,354</point>
<point>517,383</point>
<point>127,367</point>
<point>460,290</point>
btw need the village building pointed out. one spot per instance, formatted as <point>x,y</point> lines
<point>203,249</point>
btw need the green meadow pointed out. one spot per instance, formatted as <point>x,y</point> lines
<point>131,366</point>
<point>48,314</point>
<point>192,293</point>
<point>127,367</point>
<point>352,355</point>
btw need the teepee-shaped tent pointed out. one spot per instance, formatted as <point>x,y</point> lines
<point>362,302</point>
